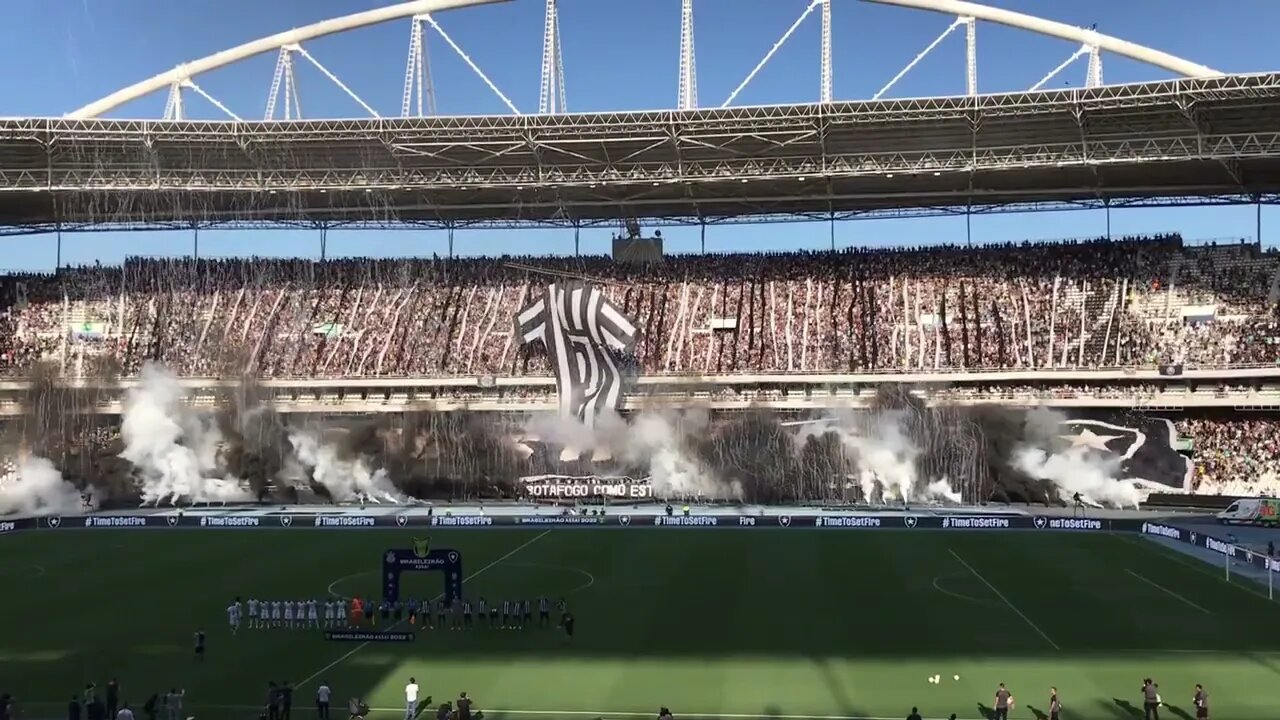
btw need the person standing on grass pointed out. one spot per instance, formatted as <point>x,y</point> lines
<point>1003,703</point>
<point>96,710</point>
<point>464,707</point>
<point>286,700</point>
<point>149,707</point>
<point>1201,701</point>
<point>1055,705</point>
<point>73,708</point>
<point>915,714</point>
<point>199,647</point>
<point>173,704</point>
<point>411,699</point>
<point>113,697</point>
<point>323,693</point>
<point>273,701</point>
<point>1151,700</point>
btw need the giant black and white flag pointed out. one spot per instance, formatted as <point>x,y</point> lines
<point>583,331</point>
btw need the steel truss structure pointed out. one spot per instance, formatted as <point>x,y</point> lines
<point>1214,138</point>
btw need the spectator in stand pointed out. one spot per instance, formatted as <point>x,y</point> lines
<point>1092,304</point>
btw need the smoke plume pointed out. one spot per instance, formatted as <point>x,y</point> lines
<point>899,449</point>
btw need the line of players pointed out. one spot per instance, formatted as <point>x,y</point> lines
<point>463,613</point>
<point>264,614</point>
<point>433,614</point>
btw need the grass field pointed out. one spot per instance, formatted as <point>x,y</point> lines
<point>711,623</point>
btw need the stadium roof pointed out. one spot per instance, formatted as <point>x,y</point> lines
<point>1188,140</point>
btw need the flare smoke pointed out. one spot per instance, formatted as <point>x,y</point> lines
<point>898,450</point>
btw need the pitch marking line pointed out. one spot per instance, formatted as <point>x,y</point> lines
<point>592,713</point>
<point>959,596</point>
<point>1158,586</point>
<point>1192,562</point>
<point>344,578</point>
<point>363,645</point>
<point>1000,595</point>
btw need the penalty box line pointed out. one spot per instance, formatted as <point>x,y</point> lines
<point>1005,600</point>
<point>363,645</point>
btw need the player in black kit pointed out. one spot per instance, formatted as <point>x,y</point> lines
<point>1201,702</point>
<point>200,645</point>
<point>1003,703</point>
<point>568,625</point>
<point>544,612</point>
<point>1055,705</point>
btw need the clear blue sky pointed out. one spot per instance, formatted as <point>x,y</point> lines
<point>618,54</point>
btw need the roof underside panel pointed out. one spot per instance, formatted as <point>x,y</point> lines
<point>1184,138</point>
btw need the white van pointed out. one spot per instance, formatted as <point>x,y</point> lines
<point>1251,511</point>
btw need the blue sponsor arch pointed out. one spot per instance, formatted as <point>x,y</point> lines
<point>421,558</point>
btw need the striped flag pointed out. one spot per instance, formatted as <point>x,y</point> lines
<point>582,331</point>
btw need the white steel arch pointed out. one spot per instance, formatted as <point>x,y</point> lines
<point>1052,28</point>
<point>186,71</point>
<point>964,12</point>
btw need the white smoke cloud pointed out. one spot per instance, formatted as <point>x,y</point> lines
<point>884,455</point>
<point>655,440</point>
<point>1073,470</point>
<point>174,448</point>
<point>940,491</point>
<point>346,479</point>
<point>36,487</point>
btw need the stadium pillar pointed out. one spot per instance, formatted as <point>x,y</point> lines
<point>1108,206</point>
<point>1257,222</point>
<point>451,242</point>
<point>833,232</point>
<point>703,238</point>
<point>968,226</point>
<point>195,242</point>
<point>324,241</point>
<point>577,231</point>
<point>57,259</point>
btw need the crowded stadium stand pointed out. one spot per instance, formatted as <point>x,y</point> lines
<point>1093,304</point>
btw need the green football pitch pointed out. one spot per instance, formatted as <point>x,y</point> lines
<point>712,623</point>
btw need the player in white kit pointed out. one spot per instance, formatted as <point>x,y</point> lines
<point>275,613</point>
<point>312,619</point>
<point>253,613</point>
<point>233,617</point>
<point>288,613</point>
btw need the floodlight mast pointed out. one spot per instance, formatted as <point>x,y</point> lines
<point>687,91</point>
<point>551,96</point>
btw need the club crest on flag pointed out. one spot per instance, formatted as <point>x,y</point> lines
<point>583,331</point>
<point>421,547</point>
